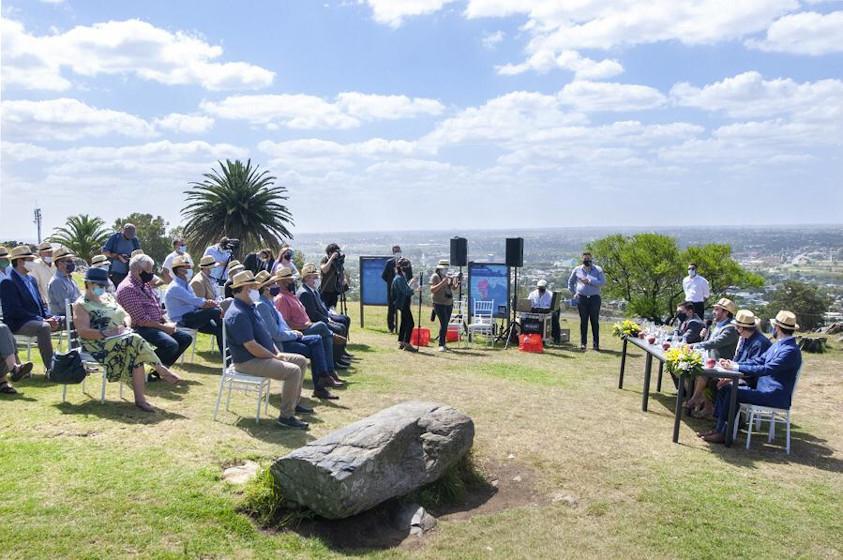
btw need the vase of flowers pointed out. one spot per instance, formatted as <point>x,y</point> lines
<point>682,360</point>
<point>626,328</point>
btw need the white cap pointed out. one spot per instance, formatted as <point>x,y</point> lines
<point>541,284</point>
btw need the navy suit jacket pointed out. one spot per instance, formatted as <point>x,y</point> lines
<point>18,305</point>
<point>776,370</point>
<point>313,305</point>
<point>751,347</point>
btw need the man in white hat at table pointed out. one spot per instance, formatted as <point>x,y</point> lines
<point>720,342</point>
<point>775,371</point>
<point>753,343</point>
<point>542,298</point>
<point>254,353</point>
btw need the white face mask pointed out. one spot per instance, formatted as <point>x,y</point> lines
<point>181,249</point>
<point>254,295</point>
<point>47,260</point>
<point>29,265</point>
<point>188,274</point>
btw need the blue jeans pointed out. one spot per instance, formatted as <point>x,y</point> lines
<point>208,321</point>
<point>327,337</point>
<point>443,312</point>
<point>310,346</point>
<point>168,347</point>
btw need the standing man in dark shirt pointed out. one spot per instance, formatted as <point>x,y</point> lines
<point>119,248</point>
<point>332,267</point>
<point>389,271</point>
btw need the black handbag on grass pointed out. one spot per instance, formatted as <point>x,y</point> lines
<point>67,368</point>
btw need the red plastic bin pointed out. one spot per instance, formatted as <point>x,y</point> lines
<point>530,343</point>
<point>420,337</point>
<point>453,334</point>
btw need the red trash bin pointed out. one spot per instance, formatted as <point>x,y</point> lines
<point>420,337</point>
<point>530,343</point>
<point>453,334</point>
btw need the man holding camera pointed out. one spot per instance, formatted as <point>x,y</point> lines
<point>332,267</point>
<point>119,249</point>
<point>222,254</point>
<point>441,288</point>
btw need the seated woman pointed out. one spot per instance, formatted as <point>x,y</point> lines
<point>9,362</point>
<point>103,329</point>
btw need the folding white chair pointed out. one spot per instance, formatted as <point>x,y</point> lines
<point>232,379</point>
<point>482,320</point>
<point>459,316</point>
<point>756,414</point>
<point>91,365</point>
<point>195,335</point>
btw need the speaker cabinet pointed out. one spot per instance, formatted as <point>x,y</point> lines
<point>459,251</point>
<point>515,251</point>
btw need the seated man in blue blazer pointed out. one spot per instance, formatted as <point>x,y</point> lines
<point>775,371</point>
<point>24,311</point>
<point>316,309</point>
<point>752,342</point>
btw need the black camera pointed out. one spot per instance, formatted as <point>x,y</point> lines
<point>339,260</point>
<point>231,244</point>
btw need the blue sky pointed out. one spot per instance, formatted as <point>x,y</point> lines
<point>413,114</point>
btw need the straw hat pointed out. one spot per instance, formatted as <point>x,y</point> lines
<point>62,253</point>
<point>786,320</point>
<point>727,304</point>
<point>443,264</point>
<point>207,262</point>
<point>241,279</point>
<point>181,262</point>
<point>232,263</point>
<point>4,252</point>
<point>233,270</point>
<point>308,270</point>
<point>746,319</point>
<point>46,246</point>
<point>21,252</point>
<point>263,277</point>
<point>541,284</point>
<point>137,252</point>
<point>284,273</point>
<point>99,259</point>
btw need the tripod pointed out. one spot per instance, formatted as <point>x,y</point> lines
<point>513,327</point>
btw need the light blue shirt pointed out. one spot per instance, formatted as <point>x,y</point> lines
<point>180,300</point>
<point>580,288</point>
<point>61,289</point>
<point>221,256</point>
<point>278,327</point>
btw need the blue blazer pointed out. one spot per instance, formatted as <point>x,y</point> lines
<point>18,305</point>
<point>776,370</point>
<point>753,346</point>
<point>313,305</point>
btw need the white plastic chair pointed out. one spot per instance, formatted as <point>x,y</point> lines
<point>232,379</point>
<point>195,335</point>
<point>459,316</point>
<point>88,361</point>
<point>482,320</point>
<point>756,414</point>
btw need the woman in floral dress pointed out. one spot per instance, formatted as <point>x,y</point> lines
<point>103,329</point>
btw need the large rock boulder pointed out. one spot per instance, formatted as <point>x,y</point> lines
<point>386,455</point>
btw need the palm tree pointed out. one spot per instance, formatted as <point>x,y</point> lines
<point>238,201</point>
<point>82,234</point>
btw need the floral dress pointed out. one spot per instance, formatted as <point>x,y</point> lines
<point>118,355</point>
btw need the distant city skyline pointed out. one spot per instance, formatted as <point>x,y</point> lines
<point>425,115</point>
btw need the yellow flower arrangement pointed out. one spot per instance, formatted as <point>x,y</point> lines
<point>626,328</point>
<point>682,360</point>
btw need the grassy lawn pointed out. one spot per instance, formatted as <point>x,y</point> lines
<point>86,480</point>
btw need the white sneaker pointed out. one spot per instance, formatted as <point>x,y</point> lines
<point>442,349</point>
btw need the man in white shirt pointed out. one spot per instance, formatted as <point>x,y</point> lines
<point>179,250</point>
<point>541,297</point>
<point>42,269</point>
<point>696,290</point>
<point>222,255</point>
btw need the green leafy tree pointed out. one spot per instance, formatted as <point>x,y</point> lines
<point>298,259</point>
<point>237,201</point>
<point>152,233</point>
<point>646,271</point>
<point>806,300</point>
<point>84,235</point>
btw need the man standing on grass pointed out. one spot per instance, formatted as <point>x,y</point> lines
<point>696,290</point>
<point>585,283</point>
<point>119,249</point>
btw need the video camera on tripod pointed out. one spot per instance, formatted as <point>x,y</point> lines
<point>230,244</point>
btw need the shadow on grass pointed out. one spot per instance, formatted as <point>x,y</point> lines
<point>201,369</point>
<point>164,390</point>
<point>121,411</point>
<point>271,432</point>
<point>364,348</point>
<point>805,449</point>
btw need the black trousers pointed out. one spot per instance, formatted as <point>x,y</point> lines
<point>589,308</point>
<point>443,312</point>
<point>208,321</point>
<point>407,324</point>
<point>555,328</point>
<point>116,278</point>
<point>391,311</point>
<point>330,299</point>
<point>699,309</point>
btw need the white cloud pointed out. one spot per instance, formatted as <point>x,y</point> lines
<point>601,96</point>
<point>750,95</point>
<point>130,47</point>
<point>582,67</point>
<point>492,40</point>
<point>67,119</point>
<point>186,124</point>
<point>301,111</point>
<point>393,12</point>
<point>804,33</point>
